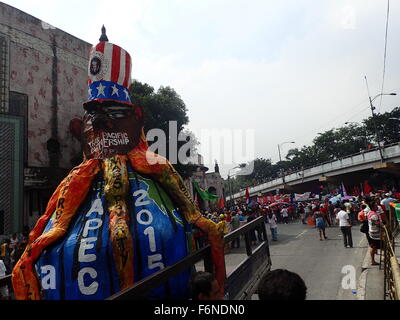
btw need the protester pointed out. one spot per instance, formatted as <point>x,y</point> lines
<point>281,284</point>
<point>349,209</point>
<point>374,224</point>
<point>331,212</point>
<point>285,215</point>
<point>235,224</point>
<point>302,214</point>
<point>386,202</point>
<point>252,233</point>
<point>320,224</point>
<point>4,292</point>
<point>204,286</point>
<point>324,214</point>
<point>345,226</point>
<point>13,248</point>
<point>307,211</point>
<point>5,254</point>
<point>363,219</point>
<point>272,221</point>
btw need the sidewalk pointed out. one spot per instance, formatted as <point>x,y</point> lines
<point>371,281</point>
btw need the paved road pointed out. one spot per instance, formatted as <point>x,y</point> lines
<point>319,263</point>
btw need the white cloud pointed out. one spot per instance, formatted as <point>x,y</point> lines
<point>288,69</point>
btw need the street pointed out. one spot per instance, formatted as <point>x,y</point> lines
<point>319,263</point>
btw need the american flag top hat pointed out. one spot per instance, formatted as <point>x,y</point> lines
<point>109,73</point>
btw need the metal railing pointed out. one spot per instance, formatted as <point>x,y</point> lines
<point>240,284</point>
<point>388,257</point>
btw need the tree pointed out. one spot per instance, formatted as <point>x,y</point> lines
<point>165,110</point>
<point>388,129</point>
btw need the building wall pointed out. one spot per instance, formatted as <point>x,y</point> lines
<point>205,181</point>
<point>50,66</point>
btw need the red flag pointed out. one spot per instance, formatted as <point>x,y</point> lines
<point>247,195</point>
<point>367,188</point>
<point>221,203</point>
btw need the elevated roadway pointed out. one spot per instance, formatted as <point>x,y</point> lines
<point>356,167</point>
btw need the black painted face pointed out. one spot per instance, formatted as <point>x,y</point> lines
<point>110,130</point>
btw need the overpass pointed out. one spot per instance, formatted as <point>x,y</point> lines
<point>355,167</point>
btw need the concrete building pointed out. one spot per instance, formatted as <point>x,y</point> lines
<point>43,83</point>
<point>210,181</point>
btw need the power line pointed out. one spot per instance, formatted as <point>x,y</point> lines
<point>384,55</point>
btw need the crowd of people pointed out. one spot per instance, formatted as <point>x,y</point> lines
<point>12,248</point>
<point>370,212</point>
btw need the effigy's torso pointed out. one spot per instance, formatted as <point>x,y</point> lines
<point>81,266</point>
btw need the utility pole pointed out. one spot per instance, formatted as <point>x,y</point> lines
<point>375,129</point>
<point>374,118</point>
<point>280,159</point>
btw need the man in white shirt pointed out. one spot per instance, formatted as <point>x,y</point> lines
<point>273,226</point>
<point>343,219</point>
<point>285,215</point>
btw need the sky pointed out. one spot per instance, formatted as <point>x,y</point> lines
<point>268,71</point>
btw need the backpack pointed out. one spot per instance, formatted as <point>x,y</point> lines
<point>364,226</point>
<point>319,222</point>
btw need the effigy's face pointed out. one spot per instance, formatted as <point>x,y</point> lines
<point>110,130</point>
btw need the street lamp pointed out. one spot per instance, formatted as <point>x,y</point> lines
<point>280,158</point>
<point>373,118</point>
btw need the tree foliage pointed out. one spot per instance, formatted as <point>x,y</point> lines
<point>327,146</point>
<point>161,108</point>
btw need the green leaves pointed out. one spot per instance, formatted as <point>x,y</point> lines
<point>159,109</point>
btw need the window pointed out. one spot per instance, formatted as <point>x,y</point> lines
<point>19,107</point>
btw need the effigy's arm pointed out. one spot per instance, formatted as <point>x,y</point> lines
<point>161,170</point>
<point>70,195</point>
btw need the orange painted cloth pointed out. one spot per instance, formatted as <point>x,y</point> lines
<point>70,194</point>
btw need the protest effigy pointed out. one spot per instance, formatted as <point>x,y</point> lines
<point>123,214</point>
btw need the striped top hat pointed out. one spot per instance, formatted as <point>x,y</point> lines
<point>109,73</point>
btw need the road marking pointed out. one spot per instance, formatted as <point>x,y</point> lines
<point>299,235</point>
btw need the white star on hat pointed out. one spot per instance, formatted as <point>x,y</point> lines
<point>127,94</point>
<point>115,90</point>
<point>100,90</point>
